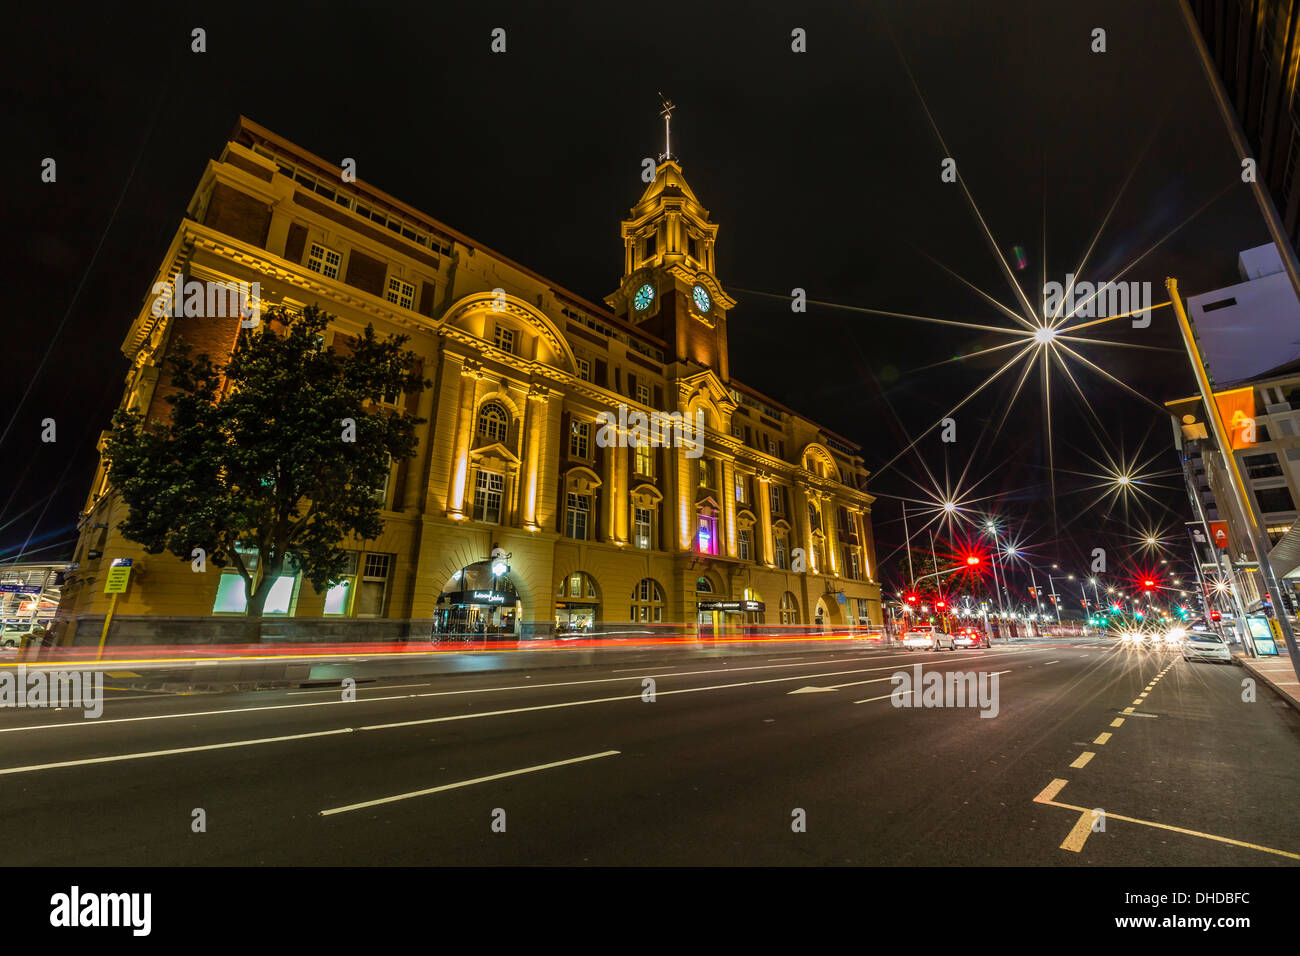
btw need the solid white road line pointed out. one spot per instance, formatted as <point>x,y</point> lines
<point>608,700</point>
<point>335,690</point>
<point>467,783</point>
<point>168,753</point>
<point>439,693</point>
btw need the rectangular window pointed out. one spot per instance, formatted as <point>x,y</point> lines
<point>230,595</point>
<point>576,515</point>
<point>693,248</point>
<point>504,339</point>
<point>641,530</point>
<point>488,491</point>
<point>705,478</point>
<point>325,261</point>
<point>778,499</point>
<point>771,445</point>
<point>746,544</point>
<point>578,440</point>
<point>584,370</point>
<point>740,489</point>
<point>650,246</point>
<point>855,567</point>
<point>864,616</point>
<point>381,493</point>
<point>644,461</point>
<point>643,393</point>
<point>1274,499</point>
<point>373,589</point>
<point>339,596</point>
<point>1262,466</point>
<point>401,293</point>
<point>738,431</point>
<point>780,551</point>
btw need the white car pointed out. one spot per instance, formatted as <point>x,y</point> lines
<point>927,638</point>
<point>1205,646</point>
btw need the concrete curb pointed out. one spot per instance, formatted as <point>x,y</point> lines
<point>1290,696</point>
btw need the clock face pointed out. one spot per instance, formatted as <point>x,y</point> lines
<point>644,296</point>
<point>702,300</point>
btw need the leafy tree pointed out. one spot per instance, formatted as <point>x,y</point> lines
<point>271,460</point>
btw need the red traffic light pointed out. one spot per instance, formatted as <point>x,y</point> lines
<point>940,605</point>
<point>1148,584</point>
<point>912,599</point>
<point>973,560</point>
<point>1215,615</point>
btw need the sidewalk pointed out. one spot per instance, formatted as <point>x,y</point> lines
<point>1278,674</point>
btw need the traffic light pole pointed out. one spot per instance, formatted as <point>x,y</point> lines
<point>1240,498</point>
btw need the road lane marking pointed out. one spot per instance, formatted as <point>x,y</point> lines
<point>814,689</point>
<point>1082,759</point>
<point>335,690</point>
<point>1117,722</point>
<point>1079,832</point>
<point>886,697</point>
<point>467,783</point>
<point>168,753</point>
<point>638,670</point>
<point>1127,710</point>
<point>1052,662</point>
<point>1048,797</point>
<point>1137,702</point>
<point>440,693</point>
<point>1102,738</point>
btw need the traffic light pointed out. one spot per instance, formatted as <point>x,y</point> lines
<point>1148,584</point>
<point>940,605</point>
<point>912,599</point>
<point>1215,615</point>
<point>973,560</point>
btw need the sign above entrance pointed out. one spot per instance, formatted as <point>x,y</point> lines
<point>730,605</point>
<point>474,596</point>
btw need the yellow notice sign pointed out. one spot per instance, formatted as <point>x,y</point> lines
<point>118,576</point>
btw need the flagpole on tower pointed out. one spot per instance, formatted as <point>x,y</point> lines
<point>667,114</point>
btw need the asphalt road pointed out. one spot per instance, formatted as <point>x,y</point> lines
<point>712,771</point>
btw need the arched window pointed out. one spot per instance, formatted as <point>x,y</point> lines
<point>648,602</point>
<point>493,422</point>
<point>789,609</point>
<point>579,586</point>
<point>704,586</point>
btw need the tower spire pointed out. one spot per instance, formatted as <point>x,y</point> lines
<point>667,114</point>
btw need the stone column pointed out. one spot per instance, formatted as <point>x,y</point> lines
<point>728,492</point>
<point>763,491</point>
<point>471,377</point>
<point>830,527</point>
<point>530,481</point>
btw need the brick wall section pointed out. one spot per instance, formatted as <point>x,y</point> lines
<point>216,337</point>
<point>239,215</point>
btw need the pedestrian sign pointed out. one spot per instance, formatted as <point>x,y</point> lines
<point>118,576</point>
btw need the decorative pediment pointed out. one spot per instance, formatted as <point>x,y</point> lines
<point>494,454</point>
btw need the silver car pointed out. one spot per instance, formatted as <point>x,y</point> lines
<point>1205,646</point>
<point>927,638</point>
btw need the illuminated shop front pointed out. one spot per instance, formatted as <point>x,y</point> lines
<point>577,604</point>
<point>479,601</point>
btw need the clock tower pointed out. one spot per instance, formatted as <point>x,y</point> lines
<point>668,285</point>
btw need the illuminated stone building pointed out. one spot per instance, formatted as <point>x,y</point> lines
<point>511,459</point>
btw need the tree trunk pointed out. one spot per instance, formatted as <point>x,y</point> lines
<point>255,606</point>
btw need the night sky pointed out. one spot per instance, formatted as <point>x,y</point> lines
<point>821,168</point>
